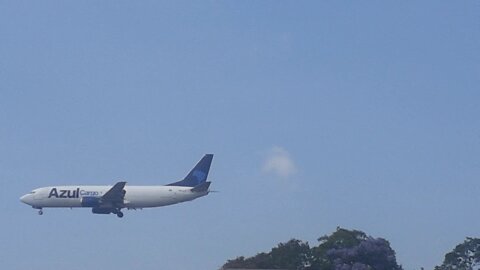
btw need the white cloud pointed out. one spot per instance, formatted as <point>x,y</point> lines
<point>279,162</point>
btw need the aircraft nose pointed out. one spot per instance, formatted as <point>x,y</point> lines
<point>25,198</point>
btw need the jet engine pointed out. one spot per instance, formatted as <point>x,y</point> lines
<point>90,201</point>
<point>98,210</point>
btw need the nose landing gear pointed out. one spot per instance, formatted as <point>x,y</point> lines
<point>40,212</point>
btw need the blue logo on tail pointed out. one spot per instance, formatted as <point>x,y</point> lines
<point>200,176</point>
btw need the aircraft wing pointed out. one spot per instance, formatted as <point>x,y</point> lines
<point>115,194</point>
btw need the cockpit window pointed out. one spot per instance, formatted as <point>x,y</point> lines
<point>32,192</point>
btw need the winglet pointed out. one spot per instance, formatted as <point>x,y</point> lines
<point>198,174</point>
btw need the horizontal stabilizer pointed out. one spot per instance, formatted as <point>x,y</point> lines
<point>202,187</point>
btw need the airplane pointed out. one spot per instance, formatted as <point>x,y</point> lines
<point>112,199</point>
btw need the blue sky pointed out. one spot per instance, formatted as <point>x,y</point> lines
<point>320,114</point>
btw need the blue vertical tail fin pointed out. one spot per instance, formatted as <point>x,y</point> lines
<point>198,174</point>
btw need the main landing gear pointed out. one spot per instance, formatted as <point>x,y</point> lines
<point>118,212</point>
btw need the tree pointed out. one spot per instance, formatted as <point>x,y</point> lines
<point>465,256</point>
<point>353,250</point>
<point>342,250</point>
<point>293,254</point>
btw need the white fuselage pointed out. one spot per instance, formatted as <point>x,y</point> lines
<point>135,196</point>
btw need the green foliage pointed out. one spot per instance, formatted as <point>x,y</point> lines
<point>341,238</point>
<point>463,256</point>
<point>291,255</point>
